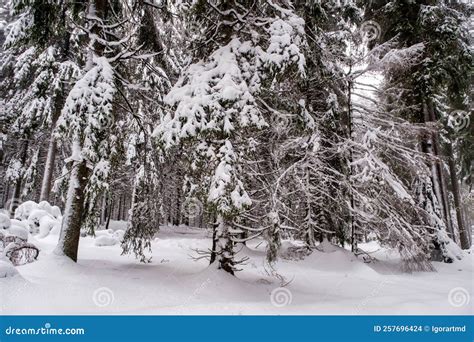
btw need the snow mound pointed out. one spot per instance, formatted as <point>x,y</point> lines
<point>104,232</point>
<point>34,219</point>
<point>118,234</point>
<point>24,210</point>
<point>7,270</point>
<point>47,224</point>
<point>53,210</point>
<point>43,205</point>
<point>105,240</point>
<point>19,223</point>
<point>327,257</point>
<point>5,221</point>
<point>18,231</point>
<point>328,247</point>
<point>293,250</point>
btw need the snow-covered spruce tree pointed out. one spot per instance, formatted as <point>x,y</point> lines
<point>217,102</point>
<point>86,123</point>
<point>34,69</point>
<point>338,152</point>
<point>446,63</point>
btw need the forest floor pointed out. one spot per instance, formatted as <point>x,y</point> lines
<point>331,281</point>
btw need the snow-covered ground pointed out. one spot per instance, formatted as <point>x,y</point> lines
<point>331,281</point>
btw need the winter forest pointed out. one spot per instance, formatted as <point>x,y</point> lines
<point>236,156</point>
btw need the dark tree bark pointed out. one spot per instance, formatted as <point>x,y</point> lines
<point>71,226</point>
<point>463,232</point>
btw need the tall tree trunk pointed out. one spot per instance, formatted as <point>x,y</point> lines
<point>103,209</point>
<point>48,170</point>
<point>119,208</point>
<point>439,183</point>
<point>109,212</point>
<point>68,243</point>
<point>441,174</point>
<point>463,232</point>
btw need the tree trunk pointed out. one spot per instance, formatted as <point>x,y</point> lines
<point>71,226</point>
<point>223,247</point>
<point>109,212</point>
<point>68,243</point>
<point>439,183</point>
<point>119,208</point>
<point>463,232</point>
<point>48,170</point>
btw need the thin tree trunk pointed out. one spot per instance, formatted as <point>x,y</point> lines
<point>110,211</point>
<point>119,207</point>
<point>103,209</point>
<point>436,172</point>
<point>48,170</point>
<point>463,232</point>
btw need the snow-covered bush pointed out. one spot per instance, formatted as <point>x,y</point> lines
<point>24,210</point>
<point>42,218</point>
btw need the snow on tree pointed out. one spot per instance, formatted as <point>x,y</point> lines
<point>215,102</point>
